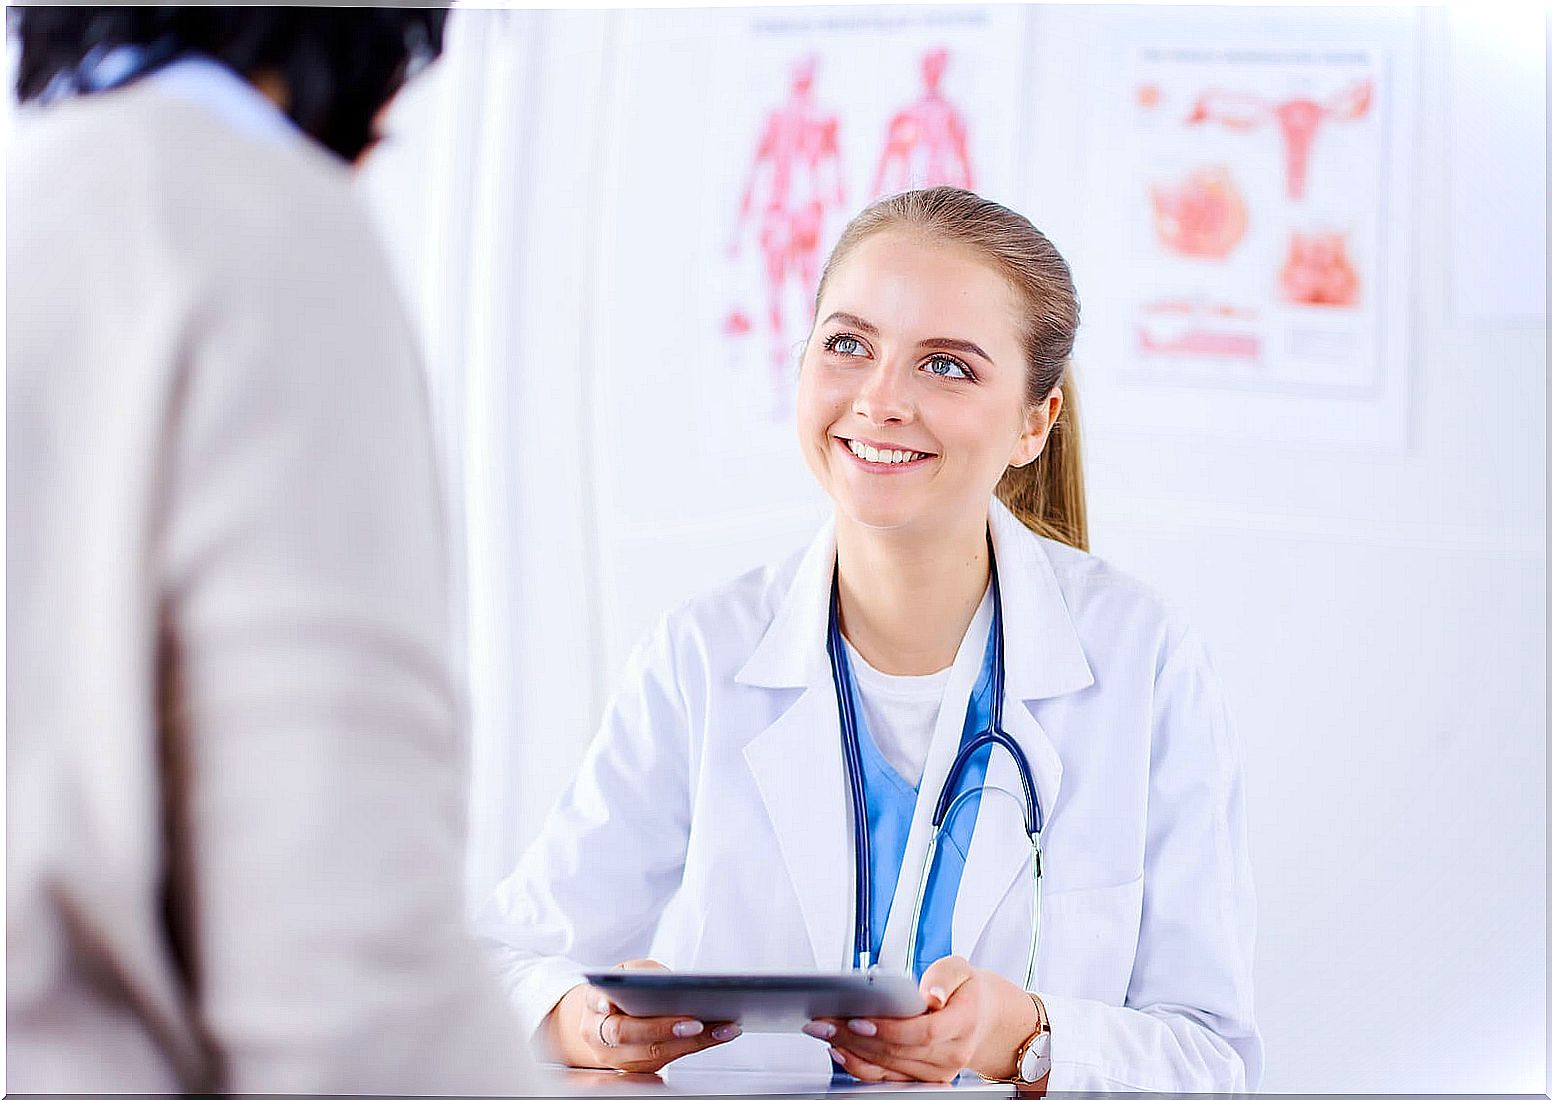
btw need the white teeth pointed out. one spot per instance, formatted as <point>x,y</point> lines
<point>882,458</point>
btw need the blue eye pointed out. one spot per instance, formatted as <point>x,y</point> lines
<point>842,344</point>
<point>946,366</point>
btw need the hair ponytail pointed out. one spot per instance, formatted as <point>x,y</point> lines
<point>1047,495</point>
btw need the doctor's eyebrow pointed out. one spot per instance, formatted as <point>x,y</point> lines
<point>936,343</point>
<point>853,321</point>
<point>948,343</point>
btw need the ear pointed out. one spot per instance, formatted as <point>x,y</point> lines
<point>1038,422</point>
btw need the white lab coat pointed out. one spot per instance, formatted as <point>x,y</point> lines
<point>709,826</point>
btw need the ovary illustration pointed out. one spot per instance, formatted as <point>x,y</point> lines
<point>1203,216</point>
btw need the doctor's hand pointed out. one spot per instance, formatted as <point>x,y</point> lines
<point>975,1019</point>
<point>586,1030</point>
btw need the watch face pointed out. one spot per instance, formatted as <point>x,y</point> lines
<point>1037,1058</point>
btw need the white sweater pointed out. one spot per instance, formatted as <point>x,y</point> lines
<point>235,765</point>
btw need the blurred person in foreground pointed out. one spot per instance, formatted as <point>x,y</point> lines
<point>234,758</point>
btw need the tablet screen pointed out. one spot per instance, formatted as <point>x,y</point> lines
<point>760,1002</point>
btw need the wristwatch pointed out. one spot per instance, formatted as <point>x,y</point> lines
<point>1033,1062</point>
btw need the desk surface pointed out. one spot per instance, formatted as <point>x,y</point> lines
<point>731,1082</point>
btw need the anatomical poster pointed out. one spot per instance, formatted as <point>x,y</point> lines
<point>820,112</point>
<point>1258,184</point>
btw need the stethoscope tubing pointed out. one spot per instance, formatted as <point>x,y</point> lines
<point>948,803</point>
<point>1036,875</point>
<point>852,749</point>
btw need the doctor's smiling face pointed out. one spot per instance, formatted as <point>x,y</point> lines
<point>914,393</point>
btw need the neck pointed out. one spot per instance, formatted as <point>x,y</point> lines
<point>907,599</point>
<point>272,86</point>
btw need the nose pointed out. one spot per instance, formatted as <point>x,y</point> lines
<point>884,396</point>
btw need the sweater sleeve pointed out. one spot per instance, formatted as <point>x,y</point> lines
<point>315,749</point>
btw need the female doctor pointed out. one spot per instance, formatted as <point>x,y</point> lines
<point>711,826</point>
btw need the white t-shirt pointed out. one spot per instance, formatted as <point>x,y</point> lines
<point>902,711</point>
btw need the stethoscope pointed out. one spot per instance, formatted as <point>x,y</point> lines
<point>948,803</point>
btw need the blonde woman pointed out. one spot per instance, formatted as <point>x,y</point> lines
<point>770,731</point>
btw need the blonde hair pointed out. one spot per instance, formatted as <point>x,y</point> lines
<point>1046,495</point>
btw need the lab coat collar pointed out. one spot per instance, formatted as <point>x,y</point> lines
<point>1043,654</point>
<point>792,653</point>
<point>797,761</point>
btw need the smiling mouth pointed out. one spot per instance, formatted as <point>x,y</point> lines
<point>883,456</point>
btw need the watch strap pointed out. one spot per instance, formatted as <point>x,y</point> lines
<point>1042,1027</point>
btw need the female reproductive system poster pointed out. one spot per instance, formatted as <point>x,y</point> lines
<point>1257,184</point>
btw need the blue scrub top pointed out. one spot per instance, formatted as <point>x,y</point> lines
<point>891,804</point>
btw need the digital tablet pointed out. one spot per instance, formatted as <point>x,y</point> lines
<point>760,1002</point>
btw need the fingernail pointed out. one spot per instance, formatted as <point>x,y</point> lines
<point>819,1031</point>
<point>684,1029</point>
<point>835,1056</point>
<point>725,1032</point>
<point>601,1005</point>
<point>937,992</point>
<point>862,1027</point>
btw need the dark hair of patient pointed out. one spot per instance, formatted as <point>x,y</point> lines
<point>340,66</point>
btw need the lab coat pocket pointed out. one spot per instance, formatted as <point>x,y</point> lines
<point>1088,942</point>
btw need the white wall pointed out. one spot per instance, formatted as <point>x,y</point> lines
<point>1378,615</point>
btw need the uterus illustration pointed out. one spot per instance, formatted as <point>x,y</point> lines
<point>1299,119</point>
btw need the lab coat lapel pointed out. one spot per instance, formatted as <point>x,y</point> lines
<point>797,760</point>
<point>1044,659</point>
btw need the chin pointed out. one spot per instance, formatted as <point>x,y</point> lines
<point>880,515</point>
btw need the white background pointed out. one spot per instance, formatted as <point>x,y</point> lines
<point>1378,613</point>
